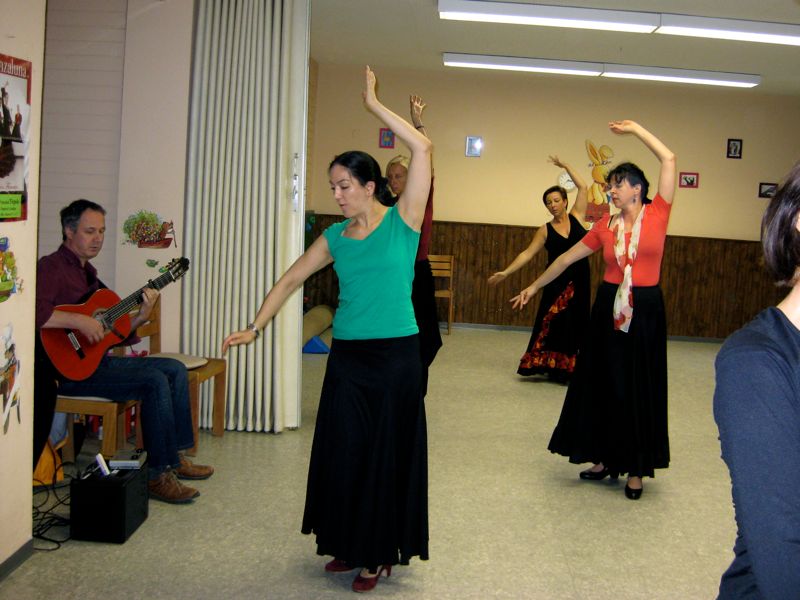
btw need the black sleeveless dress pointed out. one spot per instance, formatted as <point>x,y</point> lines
<point>563,315</point>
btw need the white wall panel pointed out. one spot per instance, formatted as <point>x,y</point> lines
<point>82,107</point>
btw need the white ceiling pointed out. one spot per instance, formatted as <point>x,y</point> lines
<point>409,34</point>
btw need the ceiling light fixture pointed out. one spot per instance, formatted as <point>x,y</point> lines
<point>548,16</point>
<point>730,29</point>
<point>741,80</point>
<point>512,63</point>
<point>619,20</point>
<point>567,67</point>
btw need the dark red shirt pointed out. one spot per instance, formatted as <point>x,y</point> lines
<point>60,279</point>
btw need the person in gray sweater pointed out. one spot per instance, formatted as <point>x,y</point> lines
<point>757,410</point>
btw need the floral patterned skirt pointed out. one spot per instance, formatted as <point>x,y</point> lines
<point>561,322</point>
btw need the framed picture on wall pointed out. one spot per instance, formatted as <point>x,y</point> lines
<point>767,190</point>
<point>734,148</point>
<point>386,138</point>
<point>474,145</point>
<point>689,180</point>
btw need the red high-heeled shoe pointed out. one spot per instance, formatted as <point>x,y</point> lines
<point>337,566</point>
<point>366,584</point>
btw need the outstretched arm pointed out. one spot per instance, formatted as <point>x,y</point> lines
<point>523,258</point>
<point>582,199</point>
<point>312,260</point>
<point>668,175</point>
<point>559,265</point>
<point>411,203</point>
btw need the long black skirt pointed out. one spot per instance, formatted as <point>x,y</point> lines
<point>615,411</point>
<point>367,495</point>
<point>424,301</point>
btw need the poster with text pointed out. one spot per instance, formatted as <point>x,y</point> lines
<point>15,111</point>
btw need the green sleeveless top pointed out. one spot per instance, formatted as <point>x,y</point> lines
<point>375,277</point>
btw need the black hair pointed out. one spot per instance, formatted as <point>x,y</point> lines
<point>554,188</point>
<point>71,214</point>
<point>779,236</point>
<point>365,168</point>
<point>629,172</point>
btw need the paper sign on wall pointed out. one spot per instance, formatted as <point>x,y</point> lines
<point>15,111</point>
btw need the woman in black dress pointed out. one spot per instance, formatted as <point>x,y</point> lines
<point>563,314</point>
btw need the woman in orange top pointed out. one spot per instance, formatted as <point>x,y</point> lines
<point>615,412</point>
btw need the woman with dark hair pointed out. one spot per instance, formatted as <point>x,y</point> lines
<point>615,411</point>
<point>366,499</point>
<point>422,290</point>
<point>757,410</point>
<point>563,313</point>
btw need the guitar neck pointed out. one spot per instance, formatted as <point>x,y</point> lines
<point>129,303</point>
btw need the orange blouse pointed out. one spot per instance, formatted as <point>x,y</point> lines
<point>647,266</point>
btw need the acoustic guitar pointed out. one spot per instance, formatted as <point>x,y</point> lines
<point>72,354</point>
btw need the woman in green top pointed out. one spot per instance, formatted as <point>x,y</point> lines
<point>366,499</point>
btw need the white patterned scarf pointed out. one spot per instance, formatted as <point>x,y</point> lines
<point>623,301</point>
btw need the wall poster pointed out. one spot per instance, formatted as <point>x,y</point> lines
<point>15,110</point>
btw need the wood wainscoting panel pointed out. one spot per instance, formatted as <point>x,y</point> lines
<point>711,286</point>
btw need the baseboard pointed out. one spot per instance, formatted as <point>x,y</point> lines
<point>16,559</point>
<point>676,338</point>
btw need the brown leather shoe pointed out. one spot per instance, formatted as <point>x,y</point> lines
<point>189,470</point>
<point>168,489</point>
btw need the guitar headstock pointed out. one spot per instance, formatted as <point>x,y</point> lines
<point>177,268</point>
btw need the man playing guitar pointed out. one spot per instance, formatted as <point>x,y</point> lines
<point>66,277</point>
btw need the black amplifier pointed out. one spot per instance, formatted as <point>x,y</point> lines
<point>108,508</point>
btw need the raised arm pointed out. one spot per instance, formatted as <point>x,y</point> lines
<point>559,265</point>
<point>582,199</point>
<point>411,204</point>
<point>312,260</point>
<point>668,175</point>
<point>523,257</point>
<point>417,106</point>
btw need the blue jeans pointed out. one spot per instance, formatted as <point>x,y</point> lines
<point>162,386</point>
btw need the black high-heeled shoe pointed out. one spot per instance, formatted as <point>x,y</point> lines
<point>633,493</point>
<point>589,475</point>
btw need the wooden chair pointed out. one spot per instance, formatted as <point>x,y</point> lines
<point>199,370</point>
<point>112,417</point>
<point>443,265</point>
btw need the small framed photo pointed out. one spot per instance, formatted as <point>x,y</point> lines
<point>386,138</point>
<point>734,148</point>
<point>767,190</point>
<point>474,145</point>
<point>689,180</point>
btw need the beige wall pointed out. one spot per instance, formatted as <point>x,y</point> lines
<point>523,118</point>
<point>152,170</point>
<point>22,36</point>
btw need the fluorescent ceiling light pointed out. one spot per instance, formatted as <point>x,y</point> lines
<point>619,20</point>
<point>548,16</point>
<point>511,63</point>
<point>566,67</point>
<point>741,80</point>
<point>730,29</point>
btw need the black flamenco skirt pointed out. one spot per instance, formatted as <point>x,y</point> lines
<point>615,411</point>
<point>367,494</point>
<point>561,322</point>
<point>424,301</point>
